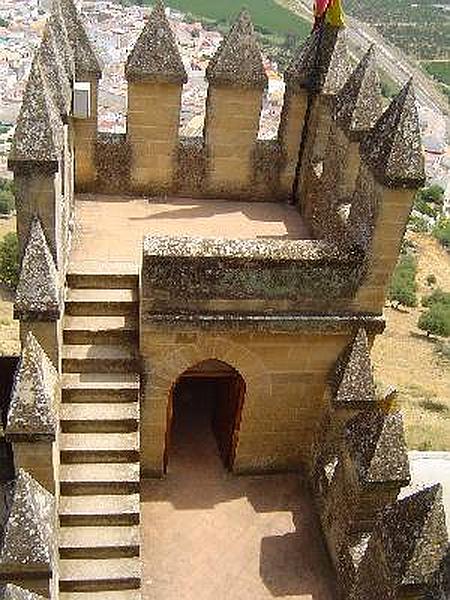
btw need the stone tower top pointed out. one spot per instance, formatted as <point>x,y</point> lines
<point>38,136</point>
<point>358,104</point>
<point>321,65</point>
<point>393,148</point>
<point>238,60</point>
<point>86,61</point>
<point>155,56</point>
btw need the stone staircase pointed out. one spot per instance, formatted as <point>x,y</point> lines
<point>99,444</point>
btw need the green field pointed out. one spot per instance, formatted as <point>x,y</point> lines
<point>267,16</point>
<point>440,70</point>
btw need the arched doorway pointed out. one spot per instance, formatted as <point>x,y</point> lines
<point>205,403</point>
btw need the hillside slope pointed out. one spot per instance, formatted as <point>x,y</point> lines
<point>405,357</point>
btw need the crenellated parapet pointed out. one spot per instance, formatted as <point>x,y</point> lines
<point>155,75</point>
<point>27,550</point>
<point>236,80</point>
<point>32,420</point>
<point>406,554</point>
<point>391,171</point>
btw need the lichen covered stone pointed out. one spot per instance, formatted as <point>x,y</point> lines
<point>414,536</point>
<point>29,534</point>
<point>155,56</point>
<point>393,149</point>
<point>376,442</point>
<point>321,64</point>
<point>13,592</point>
<point>353,380</point>
<point>38,295</point>
<point>86,60</point>
<point>358,104</point>
<point>33,407</point>
<point>39,132</point>
<point>238,60</point>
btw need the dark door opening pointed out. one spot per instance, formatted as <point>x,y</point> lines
<point>204,413</point>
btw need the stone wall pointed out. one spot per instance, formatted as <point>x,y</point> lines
<point>285,366</point>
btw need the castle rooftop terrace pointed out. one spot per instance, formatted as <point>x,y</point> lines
<point>110,229</point>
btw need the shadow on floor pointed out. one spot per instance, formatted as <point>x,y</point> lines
<point>217,536</point>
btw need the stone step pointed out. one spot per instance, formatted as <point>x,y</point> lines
<point>82,358</point>
<point>109,595</point>
<point>98,542</point>
<point>100,330</point>
<point>101,302</point>
<point>99,478</point>
<point>120,276</point>
<point>96,510</point>
<point>100,574</point>
<point>99,447</point>
<point>100,387</point>
<point>99,417</point>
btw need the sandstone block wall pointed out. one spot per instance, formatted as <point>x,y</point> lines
<point>285,376</point>
<point>85,133</point>
<point>231,131</point>
<point>153,122</point>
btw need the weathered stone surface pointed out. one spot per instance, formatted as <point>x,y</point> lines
<point>33,408</point>
<point>155,56</point>
<point>86,60</point>
<point>204,269</point>
<point>353,380</point>
<point>52,65</point>
<point>61,37</point>
<point>238,60</point>
<point>393,149</point>
<point>38,295</point>
<point>13,592</point>
<point>39,133</point>
<point>29,535</point>
<point>321,65</point>
<point>376,442</point>
<point>358,104</point>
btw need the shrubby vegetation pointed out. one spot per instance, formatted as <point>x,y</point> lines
<point>7,203</point>
<point>441,232</point>
<point>436,320</point>
<point>403,287</point>
<point>9,260</point>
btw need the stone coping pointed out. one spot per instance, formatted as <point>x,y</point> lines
<point>286,323</point>
<point>260,249</point>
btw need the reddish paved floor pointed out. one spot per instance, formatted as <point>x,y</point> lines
<point>110,229</point>
<point>210,536</point>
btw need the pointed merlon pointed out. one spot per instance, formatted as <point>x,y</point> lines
<point>414,537</point>
<point>353,380</point>
<point>61,36</point>
<point>86,59</point>
<point>238,61</point>
<point>38,294</point>
<point>32,413</point>
<point>393,148</point>
<point>52,67</point>
<point>13,592</point>
<point>39,133</point>
<point>155,56</point>
<point>376,443</point>
<point>358,104</point>
<point>29,534</point>
<point>322,64</point>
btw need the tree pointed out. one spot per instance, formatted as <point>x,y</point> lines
<point>9,260</point>
<point>436,320</point>
<point>403,286</point>
<point>434,194</point>
<point>442,232</point>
